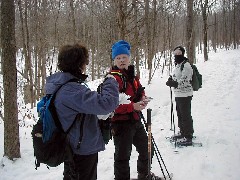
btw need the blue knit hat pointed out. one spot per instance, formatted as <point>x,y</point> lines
<point>120,47</point>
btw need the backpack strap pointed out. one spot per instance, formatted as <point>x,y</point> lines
<point>137,89</point>
<point>123,78</point>
<point>53,109</point>
<point>71,80</point>
<point>79,117</point>
<point>182,65</point>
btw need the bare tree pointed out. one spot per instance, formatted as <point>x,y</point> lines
<point>214,33</point>
<point>204,7</point>
<point>235,23</point>
<point>74,31</point>
<point>150,31</point>
<point>150,26</point>
<point>8,43</point>
<point>28,72</point>
<point>135,41</point>
<point>121,17</point>
<point>190,36</point>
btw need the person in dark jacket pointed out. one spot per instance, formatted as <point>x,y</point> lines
<point>127,128</point>
<point>181,82</point>
<point>76,98</point>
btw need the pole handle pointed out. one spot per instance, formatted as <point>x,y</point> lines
<point>149,121</point>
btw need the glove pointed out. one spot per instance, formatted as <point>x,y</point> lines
<point>99,88</point>
<point>172,83</point>
<point>170,78</point>
<point>110,76</point>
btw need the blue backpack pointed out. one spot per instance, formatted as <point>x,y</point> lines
<point>50,142</point>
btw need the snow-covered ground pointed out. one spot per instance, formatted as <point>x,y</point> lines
<point>216,115</point>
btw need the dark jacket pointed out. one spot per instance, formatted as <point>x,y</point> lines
<point>74,98</point>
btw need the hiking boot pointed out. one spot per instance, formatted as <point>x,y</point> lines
<point>145,177</point>
<point>184,141</point>
<point>177,136</point>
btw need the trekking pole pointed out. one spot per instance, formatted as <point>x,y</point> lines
<point>173,122</point>
<point>172,116</point>
<point>149,142</point>
<point>156,150</point>
<point>175,139</point>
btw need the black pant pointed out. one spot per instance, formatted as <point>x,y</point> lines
<point>185,121</point>
<point>83,168</point>
<point>126,134</point>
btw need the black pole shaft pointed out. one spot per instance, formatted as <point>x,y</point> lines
<point>171,109</point>
<point>172,119</point>
<point>149,142</point>
<point>156,150</point>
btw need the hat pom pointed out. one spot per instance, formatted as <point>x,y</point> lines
<point>120,47</point>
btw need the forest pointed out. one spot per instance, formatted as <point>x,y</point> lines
<point>32,31</point>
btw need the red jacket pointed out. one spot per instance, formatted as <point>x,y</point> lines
<point>129,86</point>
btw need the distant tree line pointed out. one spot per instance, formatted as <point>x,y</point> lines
<point>150,26</point>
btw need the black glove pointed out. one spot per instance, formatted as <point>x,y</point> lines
<point>99,88</point>
<point>170,78</point>
<point>172,83</point>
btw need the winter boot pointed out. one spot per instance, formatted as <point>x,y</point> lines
<point>176,136</point>
<point>184,141</point>
<point>145,177</point>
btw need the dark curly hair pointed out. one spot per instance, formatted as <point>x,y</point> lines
<point>72,58</point>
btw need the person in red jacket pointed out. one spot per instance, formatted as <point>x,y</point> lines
<point>127,128</point>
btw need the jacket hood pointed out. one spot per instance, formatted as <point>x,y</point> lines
<point>56,80</point>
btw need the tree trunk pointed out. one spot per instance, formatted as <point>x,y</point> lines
<point>28,74</point>
<point>11,128</point>
<point>190,32</point>
<point>74,32</point>
<point>42,44</point>
<point>148,40</point>
<point>234,26</point>
<point>121,17</point>
<point>205,28</point>
<point>135,43</point>
<point>215,32</point>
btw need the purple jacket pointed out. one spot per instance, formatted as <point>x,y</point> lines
<point>74,98</point>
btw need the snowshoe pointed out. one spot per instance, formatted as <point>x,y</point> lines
<point>184,142</point>
<point>145,177</point>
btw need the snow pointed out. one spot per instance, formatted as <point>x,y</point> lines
<point>216,115</point>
